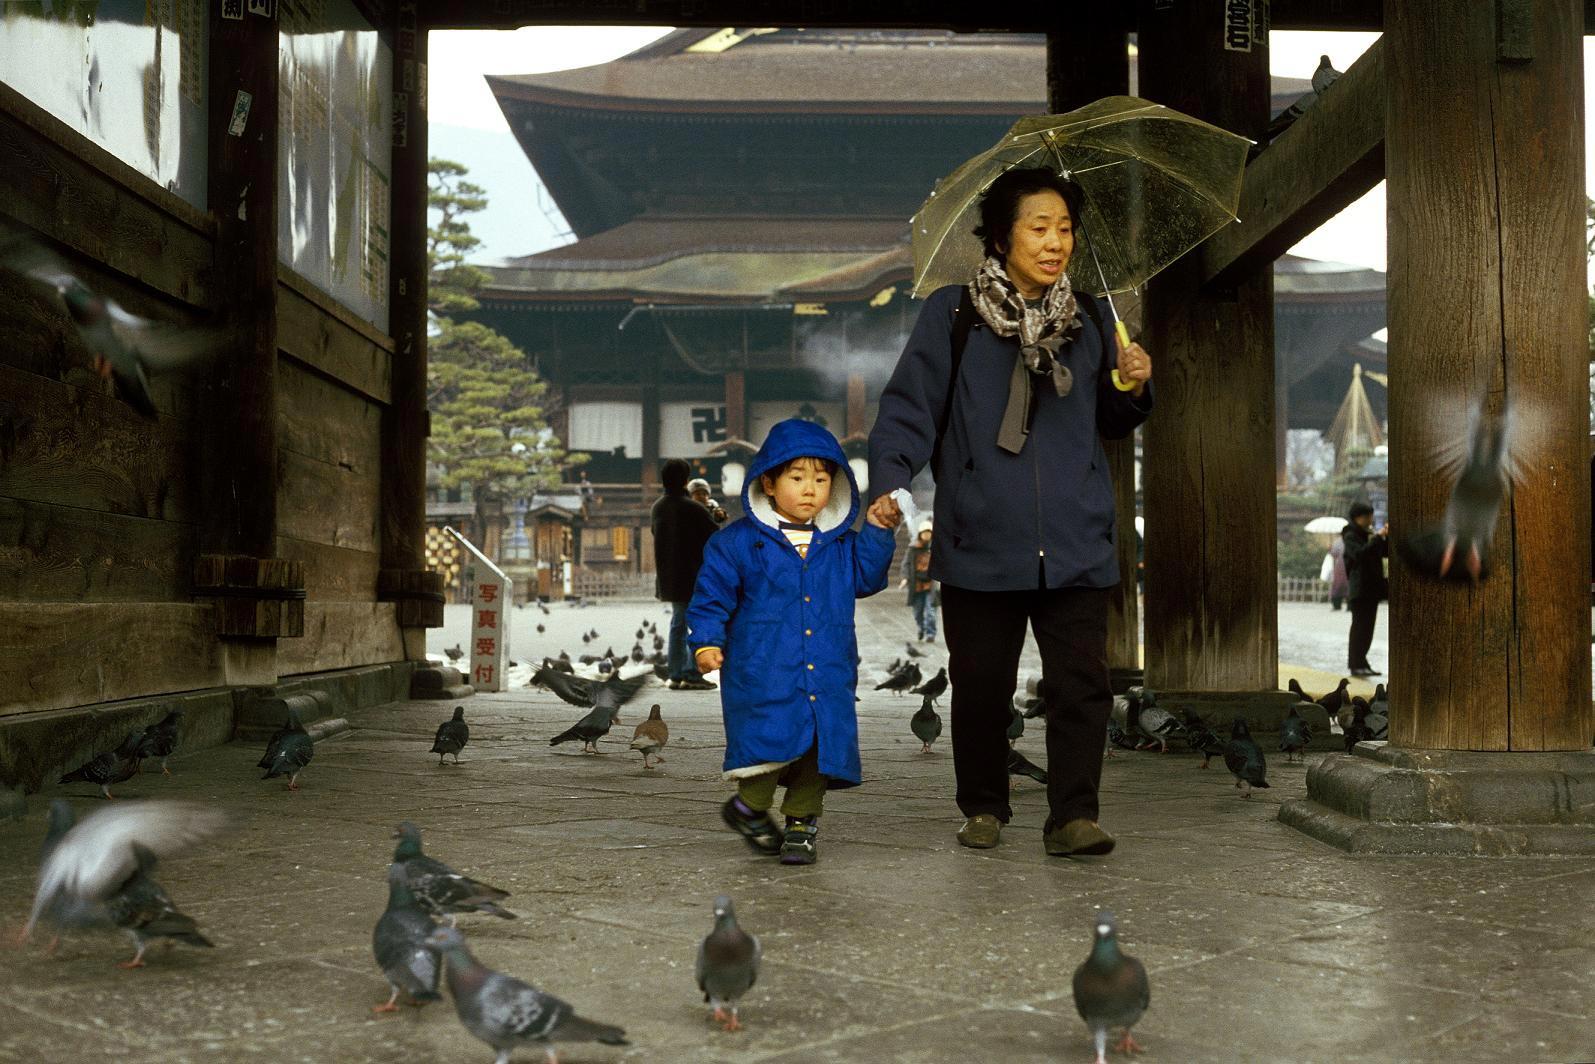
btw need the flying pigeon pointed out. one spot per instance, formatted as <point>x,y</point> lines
<point>1244,758</point>
<point>1485,464</point>
<point>1020,765</point>
<point>651,736</point>
<point>409,963</point>
<point>926,724</point>
<point>1294,735</point>
<point>452,736</point>
<point>567,685</point>
<point>115,766</point>
<point>91,860</point>
<point>288,751</point>
<point>728,964</point>
<point>507,1013</point>
<point>1110,989</point>
<point>160,739</point>
<point>934,687</point>
<point>455,652</point>
<point>145,911</point>
<point>122,346</point>
<point>438,888</point>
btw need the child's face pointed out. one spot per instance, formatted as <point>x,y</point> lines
<point>924,538</point>
<point>801,491</point>
<point>702,495</point>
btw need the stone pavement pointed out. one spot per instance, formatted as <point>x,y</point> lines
<point>899,946</point>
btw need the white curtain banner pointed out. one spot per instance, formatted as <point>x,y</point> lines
<point>688,430</point>
<point>606,426</point>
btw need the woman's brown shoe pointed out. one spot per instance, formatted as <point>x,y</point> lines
<point>1078,838</point>
<point>980,831</point>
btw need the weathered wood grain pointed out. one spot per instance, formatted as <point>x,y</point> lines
<point>333,573</point>
<point>78,447</point>
<point>319,418</point>
<point>63,185</point>
<point>54,655</point>
<point>325,503</point>
<point>51,553</point>
<point>1485,171</point>
<point>338,345</point>
<point>342,635</point>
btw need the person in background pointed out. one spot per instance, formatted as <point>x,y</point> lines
<point>1366,551</point>
<point>922,590</point>
<point>680,529</point>
<point>698,488</point>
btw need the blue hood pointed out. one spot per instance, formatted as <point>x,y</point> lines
<point>796,438</point>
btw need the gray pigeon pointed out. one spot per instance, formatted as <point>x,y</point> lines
<point>1244,758</point>
<point>1149,720</point>
<point>934,687</point>
<point>1202,738</point>
<point>1323,77</point>
<point>728,964</point>
<point>409,963</point>
<point>913,651</point>
<point>160,739</point>
<point>114,766</point>
<point>607,697</point>
<point>1020,765</point>
<point>1460,548</point>
<point>452,736</point>
<point>1016,723</point>
<point>926,724</point>
<point>438,888</point>
<point>507,1013</point>
<point>903,679</point>
<point>122,346</point>
<point>142,909</point>
<point>1294,735</point>
<point>1111,989</point>
<point>455,652</point>
<point>288,751</point>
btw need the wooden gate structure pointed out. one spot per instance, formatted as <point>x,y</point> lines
<point>269,521</point>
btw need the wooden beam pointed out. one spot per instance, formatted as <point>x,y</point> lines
<point>1315,169</point>
<point>1487,275</point>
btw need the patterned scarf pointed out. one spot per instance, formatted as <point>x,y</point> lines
<point>1042,331</point>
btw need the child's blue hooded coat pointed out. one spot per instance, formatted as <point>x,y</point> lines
<point>785,623</point>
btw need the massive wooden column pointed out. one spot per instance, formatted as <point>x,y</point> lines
<point>404,578</point>
<point>1088,58</point>
<point>1208,449</point>
<point>258,596</point>
<point>736,396</point>
<point>1484,156</point>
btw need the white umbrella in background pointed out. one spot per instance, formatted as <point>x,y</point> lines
<point>1330,525</point>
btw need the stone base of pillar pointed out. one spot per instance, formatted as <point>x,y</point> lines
<point>442,682</point>
<point>1384,799</point>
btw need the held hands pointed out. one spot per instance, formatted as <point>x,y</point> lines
<point>710,659</point>
<point>1135,366</point>
<point>884,513</point>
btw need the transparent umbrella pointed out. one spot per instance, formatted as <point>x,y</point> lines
<point>1156,184</point>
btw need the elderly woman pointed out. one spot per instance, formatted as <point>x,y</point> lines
<point>1024,501</point>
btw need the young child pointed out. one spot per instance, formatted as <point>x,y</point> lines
<point>773,611</point>
<point>923,596</point>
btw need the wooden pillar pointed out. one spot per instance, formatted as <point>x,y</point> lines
<point>857,401</point>
<point>650,427</point>
<point>736,404</point>
<point>1208,450</point>
<point>258,596</point>
<point>404,578</point>
<point>1282,420</point>
<point>1088,58</point>
<point>1484,156</point>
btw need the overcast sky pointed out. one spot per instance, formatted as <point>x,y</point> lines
<point>467,125</point>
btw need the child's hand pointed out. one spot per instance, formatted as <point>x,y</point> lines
<point>710,659</point>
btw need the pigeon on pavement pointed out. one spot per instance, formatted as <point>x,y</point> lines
<point>455,652</point>
<point>410,964</point>
<point>1202,738</point>
<point>607,698</point>
<point>1150,720</point>
<point>438,888</point>
<point>1020,765</point>
<point>452,736</point>
<point>651,736</point>
<point>934,687</point>
<point>507,1013</point>
<point>142,909</point>
<point>1016,723</point>
<point>1244,758</point>
<point>913,651</point>
<point>288,751</point>
<point>160,739</point>
<point>728,964</point>
<point>926,724</point>
<point>91,860</point>
<point>1110,989</point>
<point>1294,735</point>
<point>904,679</point>
<point>114,766</point>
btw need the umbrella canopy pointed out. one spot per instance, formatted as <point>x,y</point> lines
<point>1156,182</point>
<point>1332,525</point>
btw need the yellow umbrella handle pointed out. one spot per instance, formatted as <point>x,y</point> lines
<point>1124,341</point>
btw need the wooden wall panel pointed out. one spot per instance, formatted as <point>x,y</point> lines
<point>320,419</point>
<point>65,554</point>
<point>331,573</point>
<point>325,503</point>
<point>56,655</point>
<point>324,336</point>
<point>341,635</point>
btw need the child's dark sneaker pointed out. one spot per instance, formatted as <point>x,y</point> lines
<point>798,846</point>
<point>755,827</point>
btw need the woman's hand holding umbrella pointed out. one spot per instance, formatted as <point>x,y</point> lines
<point>1134,368</point>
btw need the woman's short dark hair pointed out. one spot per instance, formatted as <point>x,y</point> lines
<point>999,207</point>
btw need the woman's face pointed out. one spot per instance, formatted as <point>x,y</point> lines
<point>1039,244</point>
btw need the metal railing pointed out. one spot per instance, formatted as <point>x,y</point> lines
<point>1302,589</point>
<point>589,583</point>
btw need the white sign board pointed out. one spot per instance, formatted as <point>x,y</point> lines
<point>492,604</point>
<point>688,430</point>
